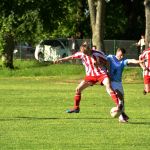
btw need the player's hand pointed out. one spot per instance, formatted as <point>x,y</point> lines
<point>57,61</point>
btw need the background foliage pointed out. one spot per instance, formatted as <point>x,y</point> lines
<point>33,20</point>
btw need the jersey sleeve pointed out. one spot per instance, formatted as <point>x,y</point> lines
<point>109,58</point>
<point>77,55</point>
<point>125,62</point>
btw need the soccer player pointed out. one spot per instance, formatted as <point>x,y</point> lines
<point>141,43</point>
<point>116,66</point>
<point>94,62</point>
<point>145,56</point>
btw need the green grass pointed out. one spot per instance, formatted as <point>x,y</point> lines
<point>32,116</point>
<point>31,68</point>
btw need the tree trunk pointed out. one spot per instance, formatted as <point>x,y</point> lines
<point>7,54</point>
<point>147,15</point>
<point>97,10</point>
<point>79,19</point>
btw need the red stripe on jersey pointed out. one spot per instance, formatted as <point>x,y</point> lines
<point>98,69</point>
<point>146,56</point>
<point>77,55</point>
<point>92,65</point>
<point>88,62</point>
<point>85,60</point>
<point>148,63</point>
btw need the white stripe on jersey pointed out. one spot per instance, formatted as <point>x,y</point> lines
<point>146,56</point>
<point>88,62</point>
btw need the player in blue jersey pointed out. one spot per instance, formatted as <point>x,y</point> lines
<point>116,66</point>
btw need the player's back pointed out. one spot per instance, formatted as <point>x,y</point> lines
<point>102,57</point>
<point>146,57</point>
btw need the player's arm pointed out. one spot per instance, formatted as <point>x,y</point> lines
<point>134,61</point>
<point>63,59</point>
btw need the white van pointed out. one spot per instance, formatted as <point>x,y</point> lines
<point>50,50</point>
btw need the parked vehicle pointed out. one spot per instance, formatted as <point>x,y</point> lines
<point>50,50</point>
<point>24,50</point>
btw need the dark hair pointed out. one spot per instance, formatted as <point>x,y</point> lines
<point>94,46</point>
<point>122,50</point>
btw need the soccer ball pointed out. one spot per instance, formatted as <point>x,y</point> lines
<point>114,112</point>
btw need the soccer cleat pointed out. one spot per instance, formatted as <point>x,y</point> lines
<point>123,119</point>
<point>144,92</point>
<point>73,110</point>
<point>125,116</point>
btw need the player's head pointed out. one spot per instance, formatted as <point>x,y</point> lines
<point>94,47</point>
<point>120,53</point>
<point>85,48</point>
<point>142,36</point>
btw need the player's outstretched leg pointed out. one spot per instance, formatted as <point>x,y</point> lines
<point>76,108</point>
<point>77,97</point>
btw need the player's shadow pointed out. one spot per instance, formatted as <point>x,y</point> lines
<point>131,122</point>
<point>49,118</point>
<point>140,123</point>
<point>143,122</point>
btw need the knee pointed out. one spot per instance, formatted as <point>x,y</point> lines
<point>147,91</point>
<point>108,88</point>
<point>78,91</point>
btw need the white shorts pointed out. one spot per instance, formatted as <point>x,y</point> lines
<point>117,86</point>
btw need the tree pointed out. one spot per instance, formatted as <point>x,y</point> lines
<point>7,43</point>
<point>97,11</point>
<point>116,20</point>
<point>76,21</point>
<point>147,15</point>
<point>135,25</point>
<point>27,20</point>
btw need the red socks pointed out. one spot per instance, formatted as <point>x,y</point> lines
<point>77,99</point>
<point>114,97</point>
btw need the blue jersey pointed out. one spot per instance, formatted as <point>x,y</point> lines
<point>116,67</point>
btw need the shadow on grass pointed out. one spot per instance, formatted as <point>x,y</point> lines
<point>50,118</point>
<point>132,122</point>
<point>140,123</point>
<point>143,121</point>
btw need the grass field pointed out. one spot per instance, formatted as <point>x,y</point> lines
<point>32,116</point>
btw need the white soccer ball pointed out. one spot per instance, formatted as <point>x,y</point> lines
<point>114,112</point>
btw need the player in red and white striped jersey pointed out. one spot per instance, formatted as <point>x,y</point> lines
<point>146,69</point>
<point>89,61</point>
<point>94,62</point>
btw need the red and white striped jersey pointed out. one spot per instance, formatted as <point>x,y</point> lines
<point>88,62</point>
<point>146,56</point>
